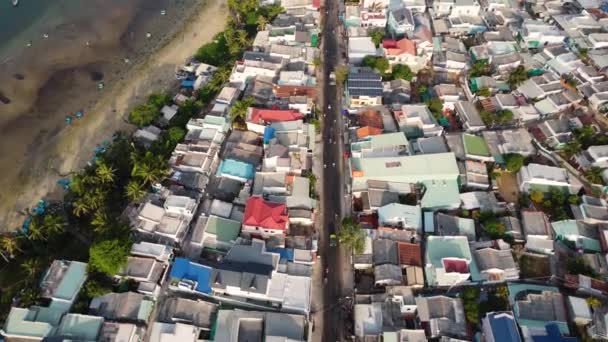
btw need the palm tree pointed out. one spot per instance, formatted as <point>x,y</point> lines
<point>242,39</point>
<point>35,232</point>
<point>104,173</point>
<point>53,224</point>
<point>351,235</point>
<point>9,245</point>
<point>572,148</point>
<point>375,7</point>
<point>239,109</point>
<point>594,175</point>
<point>135,191</point>
<point>79,207</point>
<point>31,267</point>
<point>262,22</point>
<point>100,221</point>
<point>95,198</point>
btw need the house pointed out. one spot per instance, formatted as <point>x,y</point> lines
<point>448,261</point>
<point>429,145</point>
<point>475,175</point>
<point>169,220</point>
<point>387,311</point>
<point>201,314</point>
<point>256,64</point>
<point>455,62</point>
<point>417,121</point>
<point>396,91</point>
<point>257,118</point>
<point>437,172</point>
<point>475,148</point>
<point>402,51</point>
<point>118,332</point>
<point>162,253</point>
<point>496,265</point>
<point>400,21</point>
<point>259,326</point>
<point>584,237</point>
<point>515,141</point>
<point>381,145</point>
<point>126,306</point>
<point>359,47</point>
<point>556,103</point>
<point>169,332</point>
<point>580,311</point>
<point>217,232</point>
<point>62,281</point>
<point>482,201</point>
<point>534,306</point>
<point>237,170</point>
<point>364,88</point>
<point>443,315</point>
<point>264,218</point>
<point>512,227</point>
<point>449,94</point>
<point>373,18</point>
<point>387,269</point>
<point>400,215</point>
<point>537,231</point>
<point>447,225</point>
<point>44,323</point>
<point>469,115</point>
<point>443,8</point>
<point>147,135</point>
<point>227,96</point>
<point>168,112</point>
<point>500,327</point>
<point>597,156</point>
<point>598,328</point>
<point>539,87</point>
<point>592,210</point>
<point>536,33</point>
<point>542,177</point>
<point>148,272</point>
<point>555,132</point>
<point>465,8</point>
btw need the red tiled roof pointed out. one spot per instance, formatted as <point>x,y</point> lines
<point>371,118</point>
<point>264,214</point>
<point>260,116</point>
<point>289,90</point>
<point>403,46</point>
<point>316,3</point>
<point>389,43</point>
<point>409,254</point>
<point>455,265</point>
<point>367,131</point>
<point>369,221</point>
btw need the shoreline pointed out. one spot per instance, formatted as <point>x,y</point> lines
<point>59,149</point>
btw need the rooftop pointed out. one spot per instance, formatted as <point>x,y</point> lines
<point>260,213</point>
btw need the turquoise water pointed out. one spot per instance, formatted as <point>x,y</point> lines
<point>14,20</point>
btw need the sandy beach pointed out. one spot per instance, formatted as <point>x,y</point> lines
<point>59,75</point>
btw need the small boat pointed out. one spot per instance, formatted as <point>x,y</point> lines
<point>15,3</point>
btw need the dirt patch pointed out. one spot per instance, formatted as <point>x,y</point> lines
<point>508,186</point>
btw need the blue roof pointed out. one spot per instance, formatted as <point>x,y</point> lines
<point>236,168</point>
<point>285,253</point>
<point>503,327</point>
<point>553,335</point>
<point>185,269</point>
<point>268,134</point>
<point>187,83</point>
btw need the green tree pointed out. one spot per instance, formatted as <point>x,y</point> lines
<point>35,232</point>
<point>101,221</point>
<point>109,256</point>
<point>401,71</point>
<point>379,64</point>
<point>485,91</point>
<point>435,106</point>
<point>517,76</point>
<point>480,68</point>
<point>351,235</point>
<point>9,245</point>
<point>572,148</point>
<point>594,302</point>
<point>215,52</point>
<point>238,111</point>
<point>53,224</point>
<point>574,200</point>
<point>262,22</point>
<point>577,265</point>
<point>31,268</point>
<point>94,288</point>
<point>505,116</point>
<point>341,74</point>
<point>487,117</point>
<point>135,191</point>
<point>537,196</point>
<point>149,168</point>
<point>376,36</point>
<point>514,162</point>
<point>495,229</point>
<point>594,175</point>
<point>104,172</point>
<point>159,100</point>
<point>144,115</point>
<point>422,89</point>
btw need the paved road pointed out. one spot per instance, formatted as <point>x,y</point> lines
<point>335,260</point>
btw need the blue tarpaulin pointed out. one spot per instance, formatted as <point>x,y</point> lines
<point>185,269</point>
<point>285,253</point>
<point>188,84</point>
<point>268,134</point>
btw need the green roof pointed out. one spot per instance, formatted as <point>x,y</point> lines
<point>439,247</point>
<point>145,309</point>
<point>475,145</point>
<point>226,230</point>
<point>388,139</point>
<point>72,280</point>
<point>217,121</point>
<point>80,327</point>
<point>25,322</point>
<point>568,229</point>
<point>438,172</point>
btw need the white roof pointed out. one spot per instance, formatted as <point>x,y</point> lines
<point>361,45</point>
<point>157,251</point>
<point>169,111</point>
<point>151,212</point>
<point>166,332</point>
<point>297,293</point>
<point>580,308</point>
<point>368,319</point>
